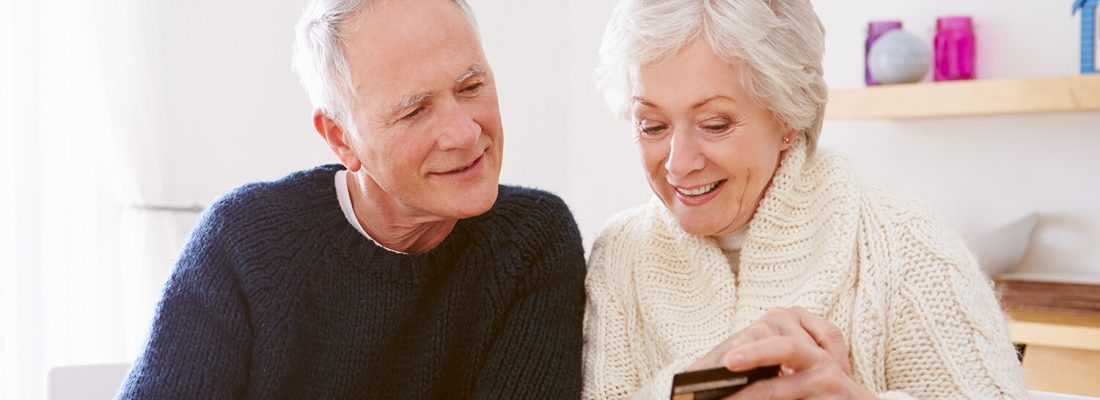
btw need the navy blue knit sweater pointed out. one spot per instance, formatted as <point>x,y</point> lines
<point>277,296</point>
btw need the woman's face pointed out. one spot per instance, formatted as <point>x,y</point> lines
<point>708,150</point>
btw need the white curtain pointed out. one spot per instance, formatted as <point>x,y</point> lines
<point>64,278</point>
<point>8,277</point>
<point>152,226</point>
<point>82,256</point>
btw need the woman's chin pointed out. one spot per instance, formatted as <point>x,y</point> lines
<point>697,226</point>
<point>706,224</point>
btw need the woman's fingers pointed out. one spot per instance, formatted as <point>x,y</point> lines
<point>798,324</point>
<point>779,350</point>
<point>714,358</point>
<point>775,322</point>
<point>811,351</point>
<point>757,331</point>
<point>827,336</point>
<point>778,388</point>
<point>795,323</point>
<point>814,376</point>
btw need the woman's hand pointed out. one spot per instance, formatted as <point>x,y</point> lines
<point>810,350</point>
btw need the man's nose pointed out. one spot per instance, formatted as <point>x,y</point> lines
<point>684,155</point>
<point>459,129</point>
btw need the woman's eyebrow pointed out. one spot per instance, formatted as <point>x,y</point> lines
<point>643,102</point>
<point>712,98</point>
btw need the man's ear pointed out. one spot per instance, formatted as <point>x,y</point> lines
<point>334,136</point>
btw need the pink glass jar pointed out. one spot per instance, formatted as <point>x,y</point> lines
<point>955,48</point>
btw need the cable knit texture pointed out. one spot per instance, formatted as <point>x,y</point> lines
<point>277,296</point>
<point>920,319</point>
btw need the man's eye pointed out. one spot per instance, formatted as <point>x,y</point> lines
<point>472,88</point>
<point>412,114</point>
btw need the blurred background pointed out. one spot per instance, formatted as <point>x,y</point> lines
<point>121,119</point>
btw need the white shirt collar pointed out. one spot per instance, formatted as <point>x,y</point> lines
<point>344,195</point>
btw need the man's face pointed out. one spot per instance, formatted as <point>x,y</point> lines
<point>428,122</point>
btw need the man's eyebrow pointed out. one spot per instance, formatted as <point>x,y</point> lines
<point>412,99</point>
<point>470,72</point>
<point>406,102</point>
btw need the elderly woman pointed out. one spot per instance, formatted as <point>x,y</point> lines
<point>760,250</point>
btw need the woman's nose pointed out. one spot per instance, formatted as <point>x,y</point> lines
<point>684,155</point>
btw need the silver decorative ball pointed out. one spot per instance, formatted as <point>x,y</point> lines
<point>898,57</point>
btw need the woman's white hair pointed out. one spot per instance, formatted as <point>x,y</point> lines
<point>320,60</point>
<point>777,44</point>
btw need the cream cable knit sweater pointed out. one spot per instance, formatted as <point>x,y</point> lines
<point>920,318</point>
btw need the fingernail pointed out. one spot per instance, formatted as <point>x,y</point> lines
<point>734,360</point>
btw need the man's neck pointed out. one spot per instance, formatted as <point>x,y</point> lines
<point>392,224</point>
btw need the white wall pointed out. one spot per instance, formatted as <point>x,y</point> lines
<point>232,107</point>
<point>983,172</point>
<point>236,114</point>
<point>559,135</point>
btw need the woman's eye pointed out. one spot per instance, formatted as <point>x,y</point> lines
<point>716,128</point>
<point>651,129</point>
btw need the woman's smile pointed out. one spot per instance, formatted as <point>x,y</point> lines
<point>698,195</point>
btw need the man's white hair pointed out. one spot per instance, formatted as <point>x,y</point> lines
<point>777,44</point>
<point>321,62</point>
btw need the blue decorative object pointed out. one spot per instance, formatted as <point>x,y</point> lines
<point>1090,35</point>
<point>898,57</point>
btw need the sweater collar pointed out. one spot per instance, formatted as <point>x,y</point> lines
<point>733,241</point>
<point>799,247</point>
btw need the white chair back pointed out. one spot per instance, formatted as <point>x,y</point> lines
<point>1037,395</point>
<point>85,382</point>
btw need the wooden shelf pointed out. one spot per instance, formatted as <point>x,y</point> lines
<point>1080,332</point>
<point>967,98</point>
<point>1062,353</point>
<point>1052,313</point>
<point>1051,296</point>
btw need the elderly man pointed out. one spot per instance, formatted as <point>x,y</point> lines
<point>407,272</point>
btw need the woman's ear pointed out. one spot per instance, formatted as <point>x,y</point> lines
<point>788,139</point>
<point>336,138</point>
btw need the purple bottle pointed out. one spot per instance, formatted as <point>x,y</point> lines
<point>954,47</point>
<point>874,30</point>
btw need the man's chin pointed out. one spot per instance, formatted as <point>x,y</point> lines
<point>474,202</point>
